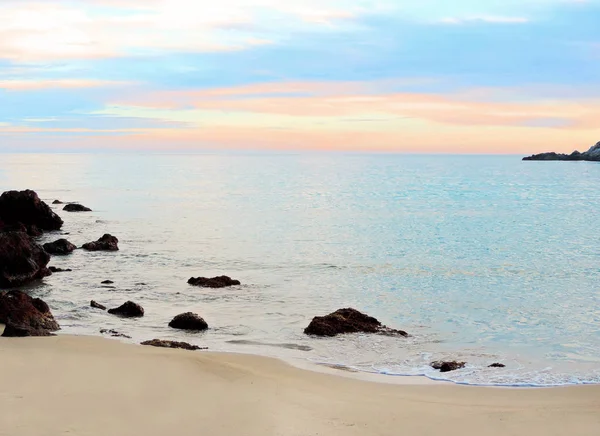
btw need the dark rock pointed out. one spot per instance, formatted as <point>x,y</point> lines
<point>107,282</point>
<point>114,333</point>
<point>26,207</point>
<point>128,310</point>
<point>593,154</point>
<point>188,321</point>
<point>447,366</point>
<point>74,207</point>
<point>54,269</point>
<point>97,306</point>
<point>173,344</point>
<point>348,321</point>
<point>31,230</point>
<point>215,282</point>
<point>57,202</point>
<point>59,247</point>
<point>22,260</point>
<point>497,365</point>
<point>20,331</point>
<point>25,316</point>
<point>105,243</point>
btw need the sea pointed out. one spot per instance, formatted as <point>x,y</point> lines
<point>482,259</point>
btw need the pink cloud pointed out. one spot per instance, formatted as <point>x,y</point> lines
<point>33,85</point>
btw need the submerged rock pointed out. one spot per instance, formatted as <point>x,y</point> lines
<point>107,282</point>
<point>188,321</point>
<point>25,316</point>
<point>97,306</point>
<point>497,365</point>
<point>22,260</point>
<point>25,207</point>
<point>593,154</point>
<point>114,333</point>
<point>348,321</point>
<point>75,207</point>
<point>173,344</point>
<point>59,247</point>
<point>54,269</point>
<point>57,202</point>
<point>105,243</point>
<point>128,310</point>
<point>215,282</point>
<point>447,366</point>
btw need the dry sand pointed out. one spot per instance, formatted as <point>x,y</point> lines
<point>97,387</point>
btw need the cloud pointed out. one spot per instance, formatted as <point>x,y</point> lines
<point>36,31</point>
<point>485,19</point>
<point>34,85</point>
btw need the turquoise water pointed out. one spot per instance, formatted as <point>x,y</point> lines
<point>480,258</point>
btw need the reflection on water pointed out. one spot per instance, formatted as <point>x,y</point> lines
<point>480,258</point>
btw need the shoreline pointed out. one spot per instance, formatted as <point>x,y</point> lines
<point>94,386</point>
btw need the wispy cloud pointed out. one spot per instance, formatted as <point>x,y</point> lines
<point>34,85</point>
<point>484,19</point>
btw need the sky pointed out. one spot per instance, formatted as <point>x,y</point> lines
<point>418,76</point>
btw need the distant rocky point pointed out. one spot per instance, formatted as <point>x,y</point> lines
<point>593,154</point>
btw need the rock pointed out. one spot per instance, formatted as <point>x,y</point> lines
<point>107,282</point>
<point>173,344</point>
<point>114,333</point>
<point>497,365</point>
<point>593,154</point>
<point>57,202</point>
<point>128,310</point>
<point>25,316</point>
<point>31,230</point>
<point>188,321</point>
<point>59,247</point>
<point>215,282</point>
<point>348,321</point>
<point>97,306</point>
<point>447,366</point>
<point>26,207</point>
<point>54,269</point>
<point>19,331</point>
<point>105,243</point>
<point>74,207</point>
<point>22,260</point>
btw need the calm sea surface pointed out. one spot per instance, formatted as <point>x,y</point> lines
<point>481,258</point>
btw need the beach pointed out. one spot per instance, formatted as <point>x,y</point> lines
<point>93,386</point>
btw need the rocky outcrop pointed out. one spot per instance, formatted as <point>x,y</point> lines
<point>593,154</point>
<point>25,316</point>
<point>54,269</point>
<point>173,344</point>
<point>31,230</point>
<point>215,282</point>
<point>447,366</point>
<point>128,310</point>
<point>22,260</point>
<point>188,321</point>
<point>348,321</point>
<point>75,207</point>
<point>97,306</point>
<point>105,243</point>
<point>25,207</point>
<point>59,247</point>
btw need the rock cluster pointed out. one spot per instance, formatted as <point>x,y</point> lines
<point>593,154</point>
<point>348,321</point>
<point>22,260</point>
<point>215,282</point>
<point>25,316</point>
<point>173,344</point>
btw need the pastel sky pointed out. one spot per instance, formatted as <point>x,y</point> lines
<point>419,76</point>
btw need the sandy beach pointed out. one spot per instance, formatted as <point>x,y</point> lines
<point>94,386</point>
